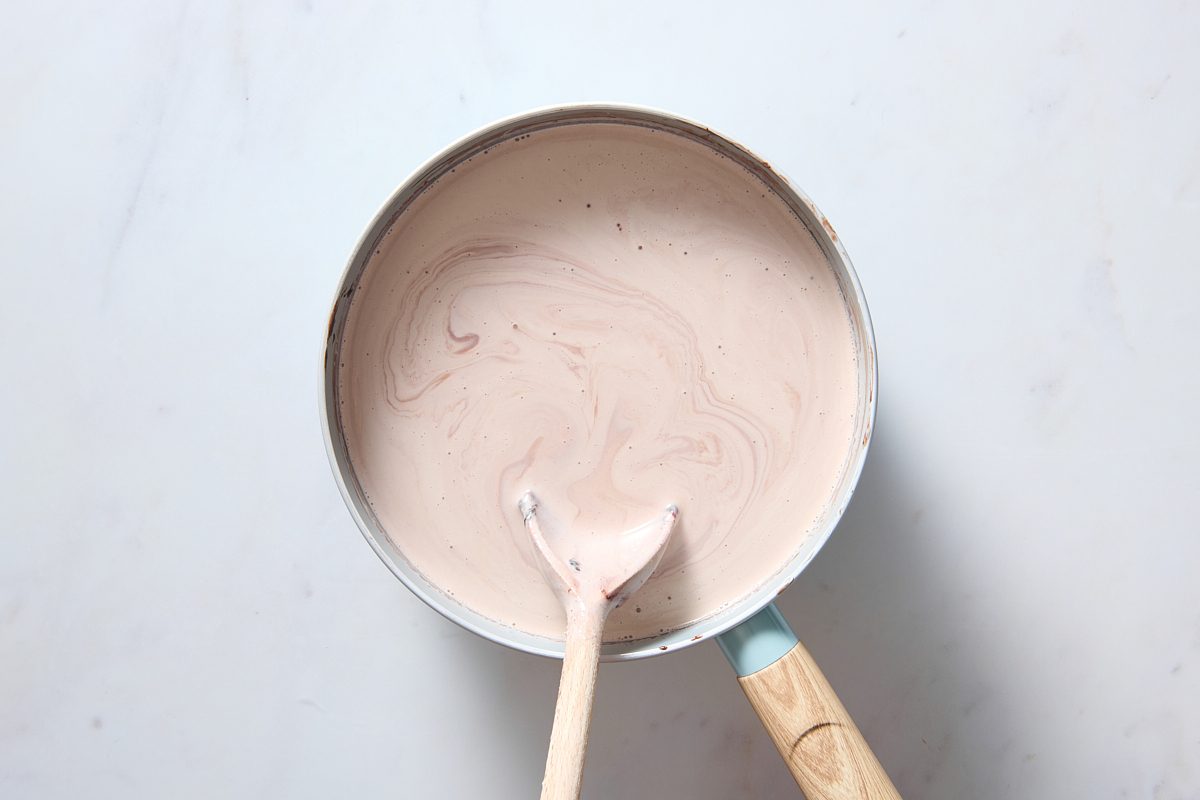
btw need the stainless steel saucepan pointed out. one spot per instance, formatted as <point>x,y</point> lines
<point>821,744</point>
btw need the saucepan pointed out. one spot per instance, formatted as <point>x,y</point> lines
<point>823,748</point>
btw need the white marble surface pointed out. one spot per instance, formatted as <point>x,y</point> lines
<point>1011,607</point>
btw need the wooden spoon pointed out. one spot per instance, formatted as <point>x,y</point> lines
<point>592,575</point>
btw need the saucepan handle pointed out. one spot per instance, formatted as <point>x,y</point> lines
<point>823,748</point>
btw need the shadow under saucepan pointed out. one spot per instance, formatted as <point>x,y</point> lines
<point>882,610</point>
<point>875,608</point>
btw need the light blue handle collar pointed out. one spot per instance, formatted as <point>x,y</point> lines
<point>758,642</point>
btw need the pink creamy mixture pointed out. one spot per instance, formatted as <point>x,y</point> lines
<point>618,319</point>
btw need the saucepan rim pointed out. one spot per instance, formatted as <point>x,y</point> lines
<point>553,116</point>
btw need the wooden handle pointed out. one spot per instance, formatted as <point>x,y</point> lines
<point>822,746</point>
<point>573,711</point>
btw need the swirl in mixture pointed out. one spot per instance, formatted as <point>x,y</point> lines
<point>617,319</point>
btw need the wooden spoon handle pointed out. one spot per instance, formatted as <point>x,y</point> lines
<point>573,711</point>
<point>822,746</point>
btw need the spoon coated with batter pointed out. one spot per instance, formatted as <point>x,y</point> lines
<point>592,574</point>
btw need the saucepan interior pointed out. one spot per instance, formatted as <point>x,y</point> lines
<point>808,541</point>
